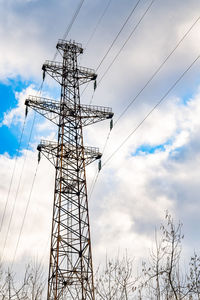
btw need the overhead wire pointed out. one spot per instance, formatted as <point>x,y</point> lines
<point>19,183</point>
<point>19,237</point>
<point>124,44</point>
<point>69,27</point>
<point>11,181</point>
<point>141,122</point>
<point>45,249</point>
<point>151,111</point>
<point>15,163</point>
<point>158,69</point>
<point>143,88</point>
<point>40,89</point>
<point>113,42</point>
<point>73,19</point>
<point>17,191</point>
<point>116,56</point>
<point>118,34</point>
<point>98,23</point>
<point>24,217</point>
<point>120,116</point>
<point>95,178</point>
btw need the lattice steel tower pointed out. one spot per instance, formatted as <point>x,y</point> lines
<point>70,268</point>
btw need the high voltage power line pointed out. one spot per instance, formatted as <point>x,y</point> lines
<point>5,208</point>
<point>130,35</point>
<point>143,88</point>
<point>73,19</point>
<point>69,27</point>
<point>118,148</point>
<point>11,181</point>
<point>14,204</point>
<point>117,35</point>
<point>124,44</point>
<point>158,69</point>
<point>18,187</point>
<point>19,183</point>
<point>24,217</point>
<point>64,36</point>
<point>143,120</point>
<point>97,24</point>
<point>28,202</point>
<point>150,112</point>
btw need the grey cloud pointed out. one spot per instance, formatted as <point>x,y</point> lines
<point>134,192</point>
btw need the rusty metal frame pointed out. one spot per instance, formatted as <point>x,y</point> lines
<point>70,268</point>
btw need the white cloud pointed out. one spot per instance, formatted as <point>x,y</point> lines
<point>39,213</point>
<point>16,115</point>
<point>132,192</point>
<point>137,190</point>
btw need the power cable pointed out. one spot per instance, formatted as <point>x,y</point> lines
<point>150,112</point>
<point>113,42</point>
<point>132,32</point>
<point>94,181</point>
<point>24,217</point>
<point>19,184</point>
<point>143,88</point>
<point>157,70</point>
<point>70,24</point>
<point>118,34</point>
<point>145,118</point>
<point>97,173</point>
<point>73,20</point>
<point>11,181</point>
<point>130,35</point>
<point>98,23</point>
<point>45,249</point>
<point>64,37</point>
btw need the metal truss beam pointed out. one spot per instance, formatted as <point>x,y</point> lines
<point>52,151</point>
<point>58,70</point>
<point>52,110</point>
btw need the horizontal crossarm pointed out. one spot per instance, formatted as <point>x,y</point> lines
<point>91,114</point>
<point>48,108</point>
<point>52,109</point>
<point>52,151</point>
<point>69,46</point>
<point>57,70</point>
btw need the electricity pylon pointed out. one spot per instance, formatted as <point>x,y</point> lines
<point>70,267</point>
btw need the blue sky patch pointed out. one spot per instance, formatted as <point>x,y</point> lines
<point>9,142</point>
<point>7,99</point>
<point>10,136</point>
<point>150,149</point>
<point>7,94</point>
<point>187,97</point>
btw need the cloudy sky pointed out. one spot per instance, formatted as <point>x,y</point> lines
<point>147,170</point>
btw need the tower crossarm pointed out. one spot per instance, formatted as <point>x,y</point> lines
<point>48,108</point>
<point>52,109</point>
<point>63,45</point>
<point>58,70</point>
<point>52,151</point>
<point>91,114</point>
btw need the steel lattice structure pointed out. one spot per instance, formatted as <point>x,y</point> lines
<point>70,268</point>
